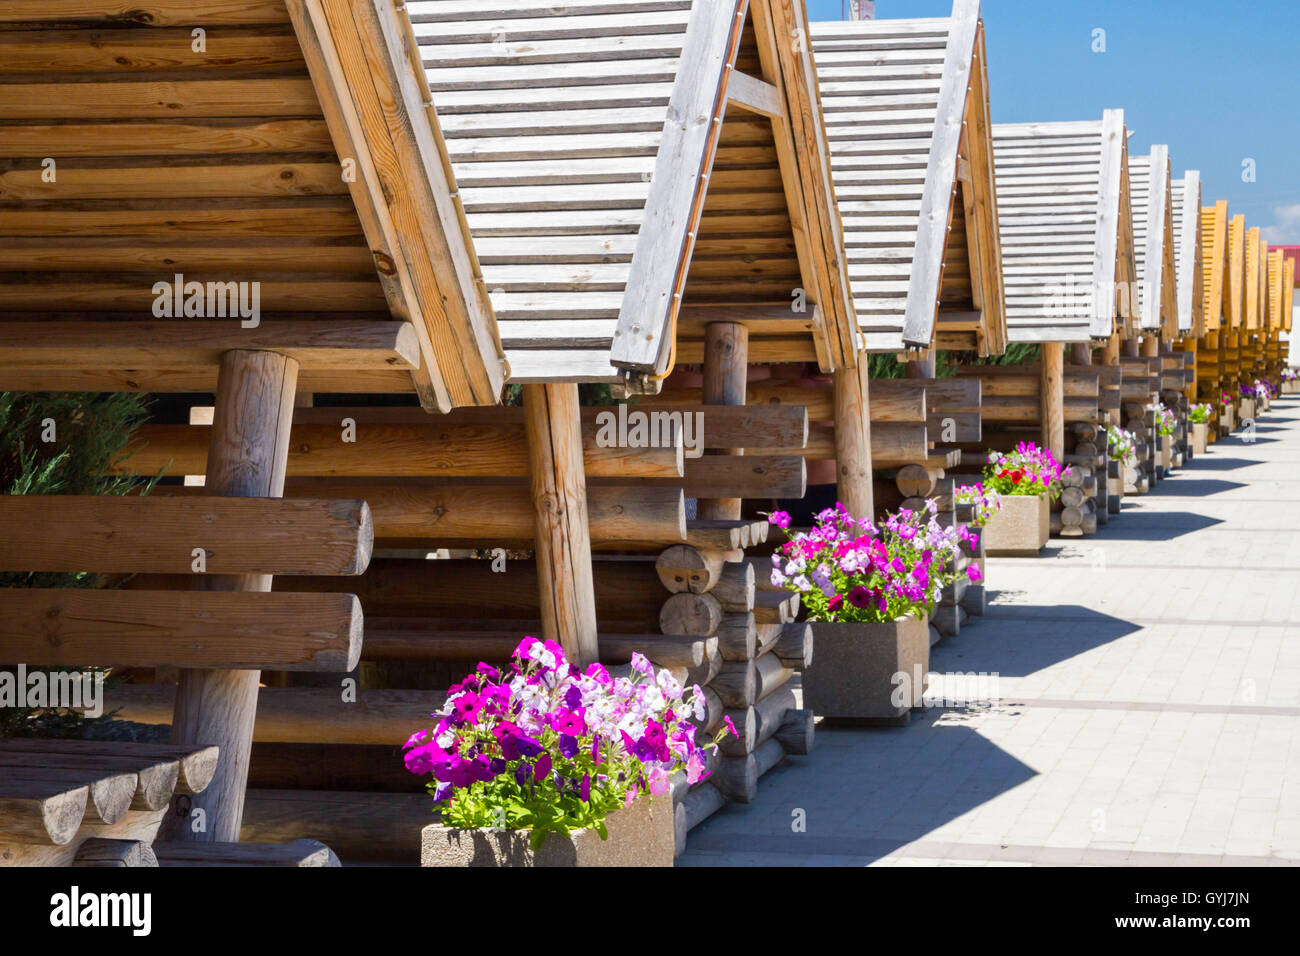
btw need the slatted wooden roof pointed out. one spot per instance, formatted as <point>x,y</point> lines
<point>1153,241</point>
<point>1235,284</point>
<point>203,139</point>
<point>1214,264</point>
<point>1255,279</point>
<point>1288,293</point>
<point>1067,230</point>
<point>584,139</point>
<point>1276,276</point>
<point>906,106</point>
<point>1186,194</point>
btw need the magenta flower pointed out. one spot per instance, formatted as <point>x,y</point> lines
<point>542,768</point>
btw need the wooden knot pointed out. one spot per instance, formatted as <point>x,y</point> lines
<point>384,263</point>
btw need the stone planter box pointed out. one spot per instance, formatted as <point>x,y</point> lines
<point>1021,527</point>
<point>853,670</point>
<point>1246,410</point>
<point>1227,419</point>
<point>641,835</point>
<point>1165,457</point>
<point>1200,437</point>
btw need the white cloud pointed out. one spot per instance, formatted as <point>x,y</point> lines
<point>1286,229</point>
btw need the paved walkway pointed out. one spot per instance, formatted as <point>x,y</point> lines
<point>1150,712</point>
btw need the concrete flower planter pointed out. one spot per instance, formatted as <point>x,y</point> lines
<point>641,835</point>
<point>1246,410</point>
<point>1165,456</point>
<point>1021,527</point>
<point>1200,437</point>
<point>856,670</point>
<point>1227,420</point>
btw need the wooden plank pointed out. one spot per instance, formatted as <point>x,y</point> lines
<point>195,765</point>
<point>152,778</point>
<point>354,346</point>
<point>374,102</point>
<point>160,535</point>
<point>34,14</point>
<point>755,95</point>
<point>940,176</point>
<point>229,630</point>
<point>126,50</point>
<point>658,271</point>
<point>289,96</point>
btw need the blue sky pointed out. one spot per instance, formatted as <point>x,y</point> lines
<point>1210,79</point>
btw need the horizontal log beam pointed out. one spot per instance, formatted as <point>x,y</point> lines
<point>722,426</point>
<point>433,449</point>
<point>193,629</point>
<point>181,343</point>
<point>161,535</point>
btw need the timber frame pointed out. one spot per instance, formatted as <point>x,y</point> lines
<point>1188,249</point>
<point>1066,179</point>
<point>1153,246</point>
<point>246,173</point>
<point>632,172</point>
<point>912,158</point>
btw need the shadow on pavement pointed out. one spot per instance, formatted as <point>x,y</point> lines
<point>1017,640</point>
<point>864,793</point>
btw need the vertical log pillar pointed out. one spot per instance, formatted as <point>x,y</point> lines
<point>853,439</point>
<point>553,426</point>
<point>1081,353</point>
<point>1150,346</point>
<point>726,369</point>
<point>1132,348</point>
<point>246,459</point>
<point>922,367</point>
<point>1052,397</point>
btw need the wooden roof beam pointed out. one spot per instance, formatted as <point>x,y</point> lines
<point>755,95</point>
<point>643,344</point>
<point>367,72</point>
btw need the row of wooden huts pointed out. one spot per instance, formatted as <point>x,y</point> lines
<point>333,236</point>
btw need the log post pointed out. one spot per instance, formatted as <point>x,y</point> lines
<point>1081,353</point>
<point>925,367</point>
<point>726,368</point>
<point>1132,348</point>
<point>1151,346</point>
<point>1052,397</point>
<point>853,439</point>
<point>553,425</point>
<point>246,458</point>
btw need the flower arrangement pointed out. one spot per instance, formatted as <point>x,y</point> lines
<point>1226,399</point>
<point>1200,413</point>
<point>1121,445</point>
<point>1263,389</point>
<point>1166,421</point>
<point>986,504</point>
<point>1029,470</point>
<point>546,746</point>
<point>1290,374</point>
<point>850,571</point>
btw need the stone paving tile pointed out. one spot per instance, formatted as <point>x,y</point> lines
<point>1149,714</point>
